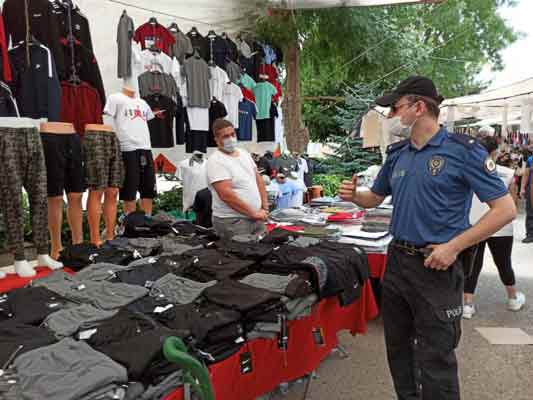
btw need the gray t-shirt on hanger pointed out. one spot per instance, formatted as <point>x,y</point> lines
<point>182,47</point>
<point>197,73</point>
<point>125,33</point>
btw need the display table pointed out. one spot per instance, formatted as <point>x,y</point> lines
<point>271,366</point>
<point>377,264</point>
<point>311,340</point>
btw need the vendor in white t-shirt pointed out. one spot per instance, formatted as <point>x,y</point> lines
<point>240,203</point>
<point>500,244</point>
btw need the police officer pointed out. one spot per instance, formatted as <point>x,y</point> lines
<point>431,176</point>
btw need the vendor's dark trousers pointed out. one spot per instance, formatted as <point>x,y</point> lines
<point>23,165</point>
<point>422,311</point>
<point>501,249</point>
<point>529,209</point>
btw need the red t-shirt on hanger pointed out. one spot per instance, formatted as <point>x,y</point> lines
<point>149,35</point>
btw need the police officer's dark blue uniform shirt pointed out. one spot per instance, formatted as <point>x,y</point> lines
<point>432,187</point>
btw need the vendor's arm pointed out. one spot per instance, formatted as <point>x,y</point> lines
<point>226,193</point>
<point>262,191</point>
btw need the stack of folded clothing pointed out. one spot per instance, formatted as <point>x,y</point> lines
<point>377,220</point>
<point>108,321</point>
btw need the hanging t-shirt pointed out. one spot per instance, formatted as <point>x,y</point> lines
<point>218,82</point>
<point>302,168</point>
<point>158,61</point>
<point>193,175</point>
<point>198,118</point>
<point>182,47</point>
<point>125,32</point>
<point>247,115</point>
<point>248,94</point>
<point>161,127</point>
<point>197,73</point>
<point>479,209</point>
<point>231,98</point>
<point>247,81</point>
<point>154,35</point>
<point>264,91</point>
<point>216,110</point>
<point>130,118</point>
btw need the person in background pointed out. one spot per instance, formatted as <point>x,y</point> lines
<point>500,244</point>
<point>240,203</point>
<point>527,192</point>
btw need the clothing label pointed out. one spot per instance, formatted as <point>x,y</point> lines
<point>84,335</point>
<point>318,335</point>
<point>159,310</point>
<point>246,363</point>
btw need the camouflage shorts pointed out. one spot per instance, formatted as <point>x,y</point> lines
<point>103,160</point>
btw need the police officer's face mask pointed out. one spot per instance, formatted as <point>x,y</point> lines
<point>397,128</point>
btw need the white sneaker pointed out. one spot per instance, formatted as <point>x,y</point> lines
<point>468,311</point>
<point>517,303</point>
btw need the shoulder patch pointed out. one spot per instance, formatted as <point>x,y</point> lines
<point>490,165</point>
<point>396,146</point>
<point>467,141</point>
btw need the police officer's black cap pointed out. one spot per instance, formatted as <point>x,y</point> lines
<point>414,85</point>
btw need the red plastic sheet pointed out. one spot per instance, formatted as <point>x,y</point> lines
<point>271,366</point>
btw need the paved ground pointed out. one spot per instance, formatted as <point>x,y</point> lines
<point>487,372</point>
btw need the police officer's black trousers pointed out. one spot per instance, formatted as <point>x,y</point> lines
<point>422,310</point>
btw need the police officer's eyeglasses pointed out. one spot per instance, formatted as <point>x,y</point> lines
<point>395,107</point>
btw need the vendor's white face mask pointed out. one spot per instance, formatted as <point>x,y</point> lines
<point>397,128</point>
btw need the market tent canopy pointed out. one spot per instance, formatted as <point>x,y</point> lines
<point>302,4</point>
<point>502,105</point>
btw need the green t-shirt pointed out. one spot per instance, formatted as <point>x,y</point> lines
<point>264,91</point>
<point>247,81</point>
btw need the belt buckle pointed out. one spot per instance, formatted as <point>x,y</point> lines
<point>411,250</point>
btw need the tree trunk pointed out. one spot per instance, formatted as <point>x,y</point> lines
<point>296,134</point>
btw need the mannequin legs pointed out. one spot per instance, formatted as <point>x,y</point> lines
<point>110,213</point>
<point>55,221</point>
<point>146,206</point>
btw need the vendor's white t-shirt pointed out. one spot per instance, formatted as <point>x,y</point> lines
<point>479,209</point>
<point>130,119</point>
<point>241,171</point>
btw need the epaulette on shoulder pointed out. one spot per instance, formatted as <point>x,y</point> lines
<point>467,141</point>
<point>397,146</point>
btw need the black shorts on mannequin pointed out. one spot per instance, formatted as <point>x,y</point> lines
<point>140,175</point>
<point>64,164</point>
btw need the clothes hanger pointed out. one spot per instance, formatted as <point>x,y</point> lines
<point>153,21</point>
<point>174,27</point>
<point>194,31</point>
<point>211,34</point>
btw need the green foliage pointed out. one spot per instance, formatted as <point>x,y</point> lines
<point>379,46</point>
<point>330,183</point>
<point>169,201</point>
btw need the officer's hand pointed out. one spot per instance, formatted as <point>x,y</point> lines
<point>348,190</point>
<point>441,257</point>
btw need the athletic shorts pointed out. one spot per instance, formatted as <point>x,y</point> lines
<point>103,160</point>
<point>64,163</point>
<point>140,175</point>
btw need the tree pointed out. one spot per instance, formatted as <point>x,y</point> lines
<point>338,48</point>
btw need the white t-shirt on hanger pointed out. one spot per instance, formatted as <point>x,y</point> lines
<point>194,179</point>
<point>130,120</point>
<point>479,209</point>
<point>219,79</point>
<point>151,61</point>
<point>231,98</point>
<point>198,118</point>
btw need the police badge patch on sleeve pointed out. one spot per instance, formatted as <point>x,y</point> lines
<point>435,165</point>
<point>490,165</point>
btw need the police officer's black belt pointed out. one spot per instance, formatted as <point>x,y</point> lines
<point>411,248</point>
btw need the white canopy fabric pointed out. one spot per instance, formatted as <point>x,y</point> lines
<point>309,4</point>
<point>504,104</point>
